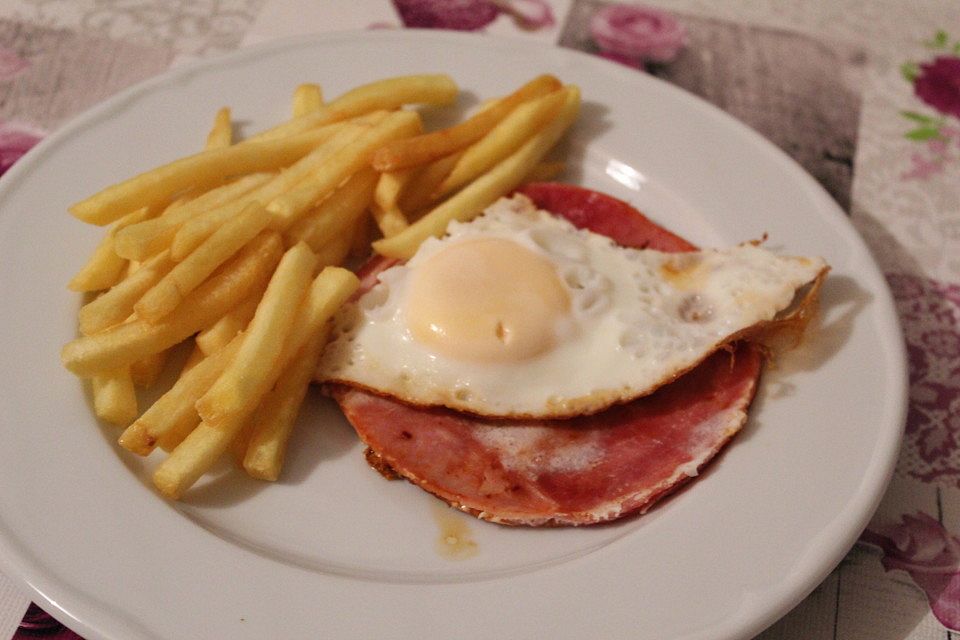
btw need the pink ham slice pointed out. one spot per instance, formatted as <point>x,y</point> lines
<point>580,471</point>
<point>571,472</point>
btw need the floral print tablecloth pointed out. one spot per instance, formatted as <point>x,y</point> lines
<point>865,94</point>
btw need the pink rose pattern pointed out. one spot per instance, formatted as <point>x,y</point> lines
<point>921,546</point>
<point>937,84</point>
<point>37,623</point>
<point>635,35</point>
<point>15,140</point>
<point>930,315</point>
<point>11,64</point>
<point>935,156</point>
<point>472,15</point>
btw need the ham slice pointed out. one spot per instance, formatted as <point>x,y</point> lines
<point>568,472</point>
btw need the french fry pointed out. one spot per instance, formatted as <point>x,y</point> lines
<point>386,95</point>
<point>124,344</point>
<point>217,335</point>
<point>386,210</point>
<point>494,184</point>
<point>216,197</point>
<point>174,411</point>
<point>335,252</point>
<point>116,305</point>
<point>336,214</point>
<point>172,438</point>
<point>326,294</point>
<point>195,231</point>
<point>196,357</point>
<point>199,171</point>
<point>273,420</point>
<point>390,186</point>
<point>205,444</point>
<point>146,371</point>
<point>114,398</point>
<point>187,275</point>
<point>245,381</point>
<point>307,98</point>
<point>195,455</point>
<point>328,291</point>
<point>291,206</point>
<point>105,268</point>
<point>140,241</point>
<point>420,192</point>
<point>428,147</point>
<point>515,129</point>
<point>390,221</point>
<point>221,134</point>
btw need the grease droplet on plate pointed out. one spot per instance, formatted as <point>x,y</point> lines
<point>455,541</point>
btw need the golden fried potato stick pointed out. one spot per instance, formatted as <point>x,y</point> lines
<point>195,231</point>
<point>508,136</point>
<point>199,451</point>
<point>273,420</point>
<point>390,221</point>
<point>145,372</point>
<point>328,291</point>
<point>486,189</point>
<point>221,332</point>
<point>172,438</point>
<point>114,398</point>
<point>291,206</point>
<point>196,357</point>
<point>221,134</point>
<point>428,147</point>
<point>336,214</point>
<point>386,95</point>
<point>205,444</point>
<point>124,344</point>
<point>307,98</point>
<point>116,305</point>
<point>244,382</point>
<point>336,251</point>
<point>420,192</point>
<point>390,187</point>
<point>105,268</point>
<point>145,239</point>
<point>189,274</point>
<point>326,294</point>
<point>199,171</point>
<point>174,411</point>
<point>386,210</point>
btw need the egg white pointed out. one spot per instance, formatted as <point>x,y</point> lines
<point>638,319</point>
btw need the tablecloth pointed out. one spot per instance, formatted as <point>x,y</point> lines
<point>864,94</point>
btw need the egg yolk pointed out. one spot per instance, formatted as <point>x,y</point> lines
<point>488,300</point>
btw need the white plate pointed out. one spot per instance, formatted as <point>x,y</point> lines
<point>333,550</point>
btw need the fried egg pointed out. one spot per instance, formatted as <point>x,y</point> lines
<point>517,313</point>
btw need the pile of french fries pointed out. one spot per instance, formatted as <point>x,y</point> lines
<point>238,250</point>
